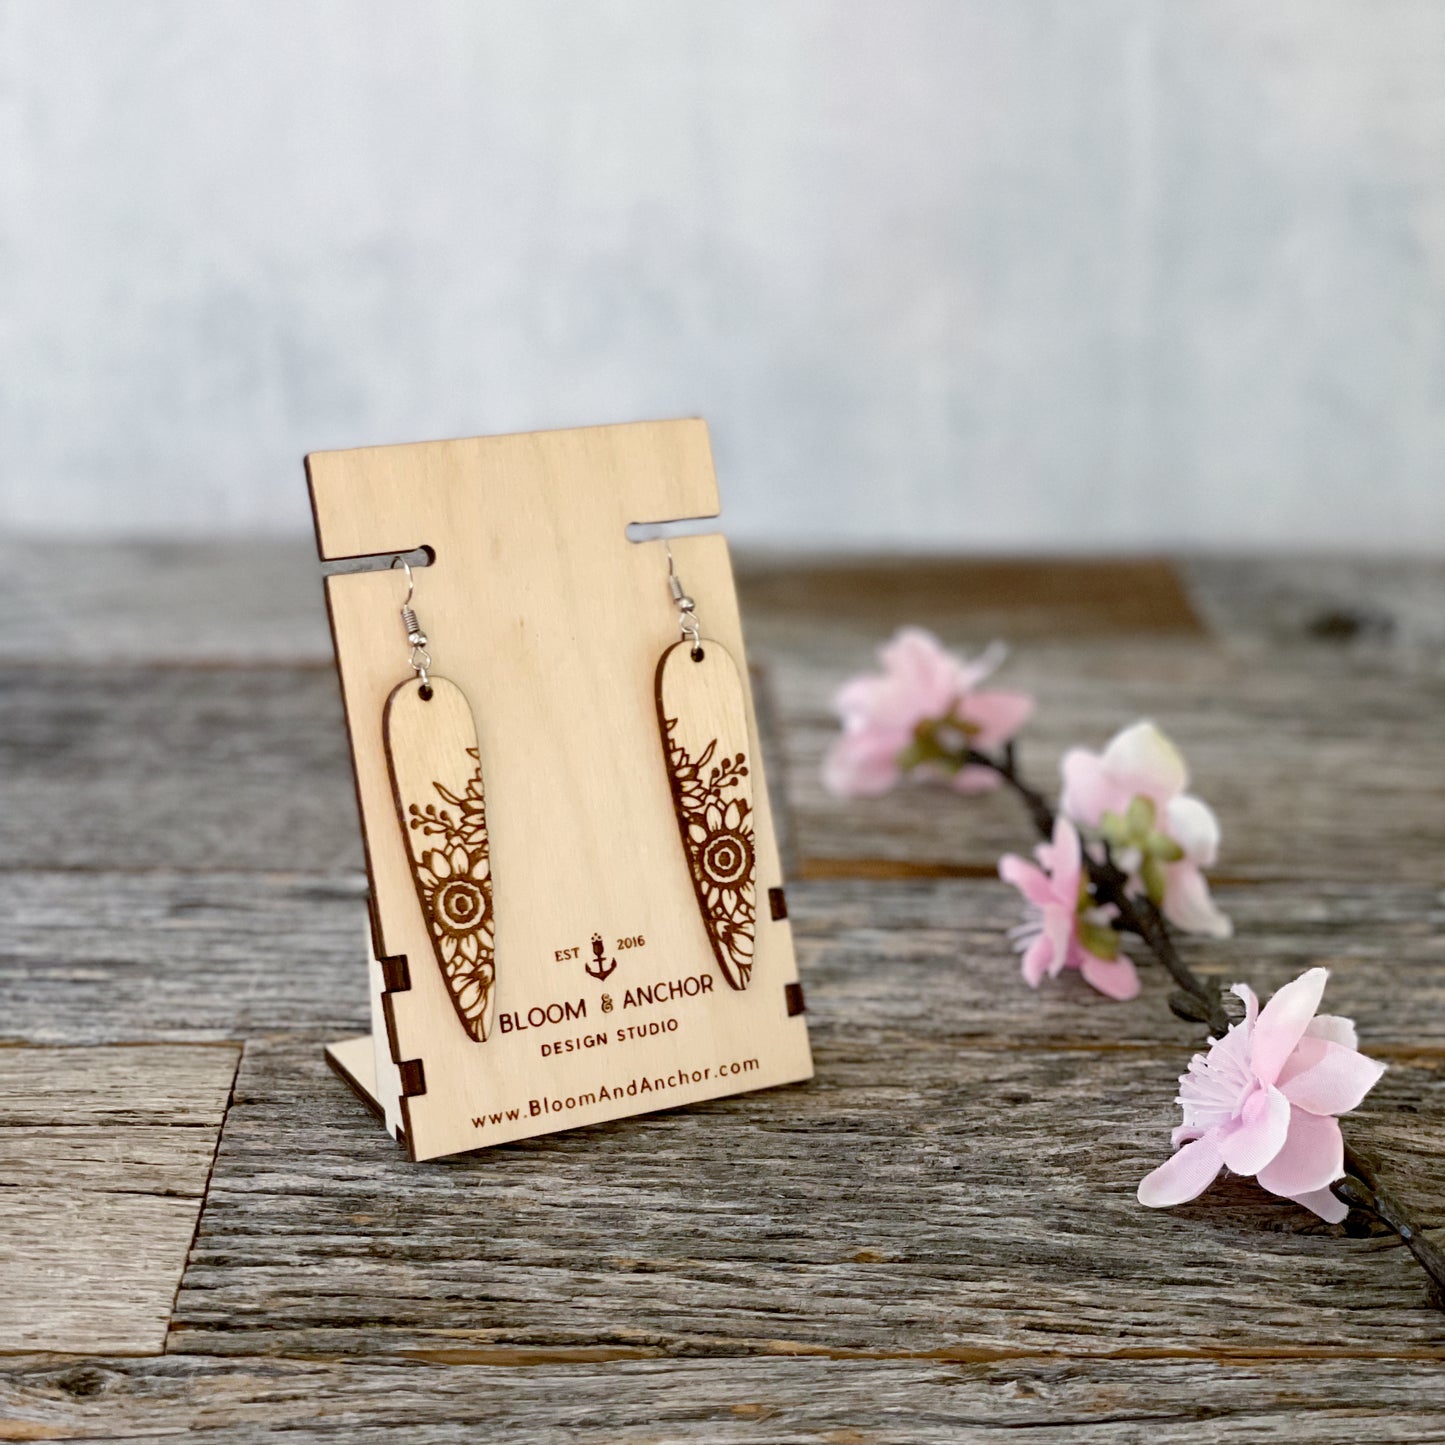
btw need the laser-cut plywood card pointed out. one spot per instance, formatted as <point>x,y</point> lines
<point>577,907</point>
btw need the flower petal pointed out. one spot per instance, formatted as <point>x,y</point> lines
<point>1028,878</point>
<point>925,675</point>
<point>997,715</point>
<point>856,701</point>
<point>973,670</point>
<point>1258,1133</point>
<point>1324,1203</point>
<point>1183,1177</point>
<point>1059,930</point>
<point>1334,1027</point>
<point>1192,824</point>
<point>1282,1022</point>
<point>1116,978</point>
<point>1327,1078</point>
<point>973,779</point>
<point>1063,856</point>
<point>1036,960</point>
<point>1250,999</point>
<point>1088,792</point>
<point>1184,1133</point>
<point>1145,761</point>
<point>862,765</point>
<point>1313,1156</point>
<point>1188,904</point>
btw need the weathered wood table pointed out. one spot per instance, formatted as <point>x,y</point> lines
<point>203,1234</point>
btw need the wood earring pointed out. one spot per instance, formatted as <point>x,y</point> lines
<point>703,719</point>
<point>434,759</point>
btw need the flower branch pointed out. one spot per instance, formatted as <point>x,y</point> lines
<point>1109,883</point>
<point>1362,1189</point>
<point>1124,854</point>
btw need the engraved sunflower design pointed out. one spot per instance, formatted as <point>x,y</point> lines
<point>454,885</point>
<point>717,833</point>
<point>722,844</point>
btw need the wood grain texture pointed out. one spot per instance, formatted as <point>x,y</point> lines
<point>194,768</point>
<point>806,599</point>
<point>1351,607</point>
<point>749,1401</point>
<point>104,1157</point>
<point>246,601</point>
<point>110,957</point>
<point>144,1084</point>
<point>1315,765</point>
<point>920,1195</point>
<point>254,600</point>
<point>102,958</point>
<point>933,956</point>
<point>942,1222</point>
<point>1307,778</point>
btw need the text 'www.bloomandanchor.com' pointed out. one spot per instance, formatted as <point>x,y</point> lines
<point>633,1089</point>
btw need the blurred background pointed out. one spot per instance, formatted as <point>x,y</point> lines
<point>971,275</point>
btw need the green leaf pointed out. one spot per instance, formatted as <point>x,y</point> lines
<point>1155,880</point>
<point>1163,847</point>
<point>911,757</point>
<point>1115,830</point>
<point>963,725</point>
<point>1099,940</point>
<point>1141,816</point>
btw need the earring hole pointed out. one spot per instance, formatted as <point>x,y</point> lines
<point>697,654</point>
<point>425,692</point>
<point>418,557</point>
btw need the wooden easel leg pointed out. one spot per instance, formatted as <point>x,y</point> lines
<point>353,1061</point>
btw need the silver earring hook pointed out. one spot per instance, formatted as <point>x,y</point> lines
<point>410,581</point>
<point>687,624</point>
<point>420,657</point>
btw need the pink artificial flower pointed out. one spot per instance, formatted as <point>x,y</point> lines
<point>1263,1101</point>
<point>1133,793</point>
<point>924,709</point>
<point>1066,929</point>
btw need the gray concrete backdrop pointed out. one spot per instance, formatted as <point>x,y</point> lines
<point>965,273</point>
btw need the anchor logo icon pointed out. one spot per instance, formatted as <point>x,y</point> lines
<point>600,968</point>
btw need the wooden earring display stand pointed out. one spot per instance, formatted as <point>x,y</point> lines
<point>609,999</point>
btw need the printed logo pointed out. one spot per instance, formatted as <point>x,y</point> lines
<point>601,968</point>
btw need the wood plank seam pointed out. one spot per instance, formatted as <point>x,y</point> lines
<point>504,1355</point>
<point>205,1192</point>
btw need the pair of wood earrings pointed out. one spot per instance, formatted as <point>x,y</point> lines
<point>435,760</point>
